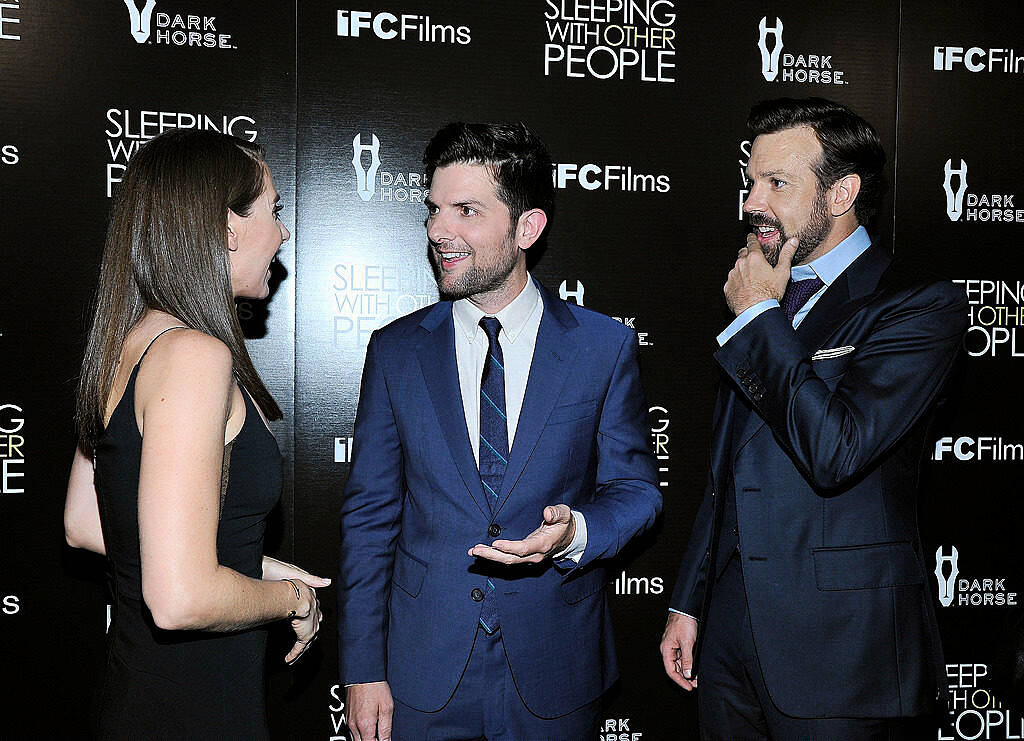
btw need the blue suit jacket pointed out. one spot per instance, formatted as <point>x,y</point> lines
<point>414,506</point>
<point>823,458</point>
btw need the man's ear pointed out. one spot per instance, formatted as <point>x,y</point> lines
<point>529,228</point>
<point>843,194</point>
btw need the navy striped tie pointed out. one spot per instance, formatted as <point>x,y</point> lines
<point>493,420</point>
<point>493,443</point>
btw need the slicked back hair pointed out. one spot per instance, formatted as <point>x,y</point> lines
<point>849,144</point>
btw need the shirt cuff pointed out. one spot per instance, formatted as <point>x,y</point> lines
<point>685,614</point>
<point>578,544</point>
<point>745,318</point>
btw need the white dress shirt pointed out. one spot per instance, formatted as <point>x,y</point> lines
<point>520,322</point>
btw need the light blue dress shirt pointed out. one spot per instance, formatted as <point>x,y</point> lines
<point>828,267</point>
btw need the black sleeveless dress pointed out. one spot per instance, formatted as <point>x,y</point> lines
<point>182,684</point>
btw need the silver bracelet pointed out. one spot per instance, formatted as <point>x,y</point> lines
<point>298,595</point>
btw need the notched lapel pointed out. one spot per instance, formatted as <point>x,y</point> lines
<point>854,287</point>
<point>437,361</point>
<point>553,356</point>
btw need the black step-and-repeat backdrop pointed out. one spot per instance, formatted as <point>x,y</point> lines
<point>642,104</point>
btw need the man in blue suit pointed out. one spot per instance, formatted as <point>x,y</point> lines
<point>500,455</point>
<point>802,604</point>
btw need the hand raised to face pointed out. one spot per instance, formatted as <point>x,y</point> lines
<point>753,279</point>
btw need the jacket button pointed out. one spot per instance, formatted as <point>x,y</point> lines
<point>741,373</point>
<point>494,530</point>
<point>477,594</point>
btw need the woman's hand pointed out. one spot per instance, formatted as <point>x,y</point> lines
<point>306,622</point>
<point>274,570</point>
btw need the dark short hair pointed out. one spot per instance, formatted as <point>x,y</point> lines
<point>518,161</point>
<point>849,144</point>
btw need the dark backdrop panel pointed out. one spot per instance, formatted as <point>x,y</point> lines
<point>643,111</point>
<point>958,213</point>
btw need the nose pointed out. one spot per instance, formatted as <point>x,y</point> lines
<point>755,200</point>
<point>285,234</point>
<point>439,228</point>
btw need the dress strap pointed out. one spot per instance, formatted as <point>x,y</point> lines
<point>162,333</point>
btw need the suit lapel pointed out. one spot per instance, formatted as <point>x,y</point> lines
<point>553,355</point>
<point>854,287</point>
<point>437,361</point>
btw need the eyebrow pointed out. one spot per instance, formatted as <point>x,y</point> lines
<point>769,173</point>
<point>464,202</point>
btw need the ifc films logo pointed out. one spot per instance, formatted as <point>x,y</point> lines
<point>405,187</point>
<point>802,68</point>
<point>176,29</point>
<point>404,27</point>
<point>963,592</point>
<point>979,207</point>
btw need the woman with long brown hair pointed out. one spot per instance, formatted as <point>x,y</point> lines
<point>176,469</point>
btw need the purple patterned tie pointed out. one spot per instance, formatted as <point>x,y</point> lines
<point>797,293</point>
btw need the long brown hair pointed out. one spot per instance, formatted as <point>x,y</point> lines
<point>166,249</point>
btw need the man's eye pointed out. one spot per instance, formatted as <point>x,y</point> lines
<point>467,211</point>
<point>776,183</point>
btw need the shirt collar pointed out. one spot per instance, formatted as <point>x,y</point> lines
<point>513,317</point>
<point>831,265</point>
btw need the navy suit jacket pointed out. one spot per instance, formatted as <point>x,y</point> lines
<point>823,458</point>
<point>414,505</point>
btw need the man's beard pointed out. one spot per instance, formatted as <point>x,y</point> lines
<point>479,278</point>
<point>815,230</point>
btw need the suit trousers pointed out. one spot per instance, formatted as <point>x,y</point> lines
<point>486,706</point>
<point>733,703</point>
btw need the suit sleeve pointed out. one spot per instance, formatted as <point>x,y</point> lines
<point>370,516</point>
<point>627,500</point>
<point>834,436</point>
<point>688,594</point>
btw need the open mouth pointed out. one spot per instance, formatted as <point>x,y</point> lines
<point>766,234</point>
<point>450,258</point>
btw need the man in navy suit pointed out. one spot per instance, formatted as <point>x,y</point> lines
<point>802,604</point>
<point>500,455</point>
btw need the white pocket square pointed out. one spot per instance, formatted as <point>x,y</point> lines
<point>833,352</point>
